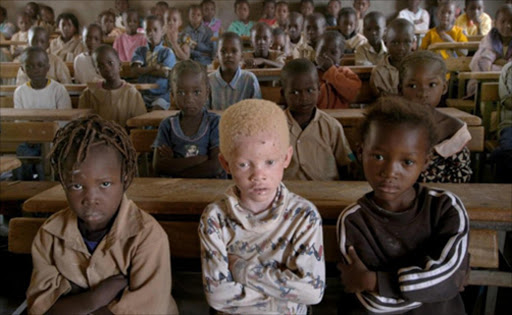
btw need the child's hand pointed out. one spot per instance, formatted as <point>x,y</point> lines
<point>249,63</point>
<point>445,36</point>
<point>75,289</point>
<point>165,151</point>
<point>259,61</point>
<point>172,34</point>
<point>355,276</point>
<point>418,21</point>
<point>108,289</point>
<point>325,62</point>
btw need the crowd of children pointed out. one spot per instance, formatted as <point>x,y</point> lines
<point>261,244</point>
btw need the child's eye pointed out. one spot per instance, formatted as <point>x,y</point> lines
<point>76,187</point>
<point>197,92</point>
<point>180,93</point>
<point>106,184</point>
<point>433,84</point>
<point>243,164</point>
<point>311,90</point>
<point>409,162</point>
<point>270,162</point>
<point>411,86</point>
<point>294,92</point>
<point>378,157</point>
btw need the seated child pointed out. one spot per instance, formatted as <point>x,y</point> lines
<point>126,43</point>
<point>152,64</point>
<point>229,83</point>
<point>160,9</point>
<point>243,25</point>
<point>47,18</point>
<point>400,41</point>
<point>339,86</point>
<point>101,254</point>
<point>107,21</point>
<point>122,7</point>
<point>187,144</point>
<point>314,134</point>
<point>282,15</point>
<point>112,98</point>
<point>295,30</point>
<point>314,27</point>
<point>423,80</point>
<point>475,21</point>
<point>416,15</point>
<point>262,56</point>
<point>269,11</point>
<point>280,41</point>
<point>273,260</point>
<point>404,245</point>
<point>201,48</point>
<point>361,6</point>
<point>68,45</point>
<point>24,23</point>
<point>177,41</point>
<point>7,29</point>
<point>38,36</point>
<point>210,21</point>
<point>347,24</point>
<point>333,10</point>
<point>307,7</point>
<point>33,10</point>
<point>85,69</point>
<point>374,51</point>
<point>446,31</point>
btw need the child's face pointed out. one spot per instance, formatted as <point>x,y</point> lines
<point>208,11</point>
<point>261,39</point>
<point>40,39</point>
<point>393,156</point>
<point>301,93</point>
<point>504,24</point>
<point>67,28</point>
<point>328,50</point>
<point>413,5</point>
<point>174,20</point>
<point>36,66</point>
<point>190,93</point>
<point>109,66</point>
<point>47,16</point>
<point>242,11</point>
<point>295,27</point>
<point>154,32</point>
<point>132,22</point>
<point>282,13</point>
<point>347,24</point>
<point>24,23</point>
<point>314,29</point>
<point>121,5</point>
<point>474,10</point>
<point>230,54</point>
<point>306,8</point>
<point>279,42</point>
<point>160,10</point>
<point>423,84</point>
<point>107,23</point>
<point>361,6</point>
<point>399,43</point>
<point>269,10</point>
<point>195,17</point>
<point>374,30</point>
<point>93,37</point>
<point>333,8</point>
<point>31,10</point>
<point>95,190</point>
<point>446,16</point>
<point>257,164</point>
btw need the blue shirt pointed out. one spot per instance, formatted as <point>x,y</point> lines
<point>244,85</point>
<point>160,55</point>
<point>203,51</point>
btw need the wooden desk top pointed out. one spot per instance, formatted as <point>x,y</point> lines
<point>455,45</point>
<point>347,117</point>
<point>8,163</point>
<point>6,43</point>
<point>162,196</point>
<point>43,114</point>
<point>80,87</point>
<point>491,75</point>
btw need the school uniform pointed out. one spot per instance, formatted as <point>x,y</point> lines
<point>281,267</point>
<point>471,28</point>
<point>273,55</point>
<point>19,37</point>
<point>53,96</point>
<point>58,71</point>
<point>136,247</point>
<point>202,52</point>
<point>433,36</point>
<point>353,41</point>
<point>244,85</point>
<point>125,45</point>
<point>303,50</point>
<point>319,150</point>
<point>365,55</point>
<point>85,69</point>
<point>67,51</point>
<point>339,87</point>
<point>241,28</point>
<point>384,78</point>
<point>410,16</point>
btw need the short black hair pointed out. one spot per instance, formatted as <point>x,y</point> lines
<point>231,36</point>
<point>330,36</point>
<point>43,7</point>
<point>278,31</point>
<point>71,17</point>
<point>92,26</point>
<point>422,57</point>
<point>188,66</point>
<point>104,49</point>
<point>33,50</point>
<point>4,11</point>
<point>398,110</point>
<point>163,4</point>
<point>307,1</point>
<point>206,2</point>
<point>316,17</point>
<point>37,29</point>
<point>504,8</point>
<point>107,12</point>
<point>194,7</point>
<point>154,18</point>
<point>239,2</point>
<point>297,67</point>
<point>268,1</point>
<point>261,25</point>
<point>374,15</point>
<point>468,1</point>
<point>346,12</point>
<point>400,24</point>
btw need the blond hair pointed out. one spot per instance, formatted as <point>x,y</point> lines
<point>250,118</point>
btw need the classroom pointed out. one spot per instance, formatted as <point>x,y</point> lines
<point>256,157</point>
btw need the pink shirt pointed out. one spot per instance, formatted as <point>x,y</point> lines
<point>126,44</point>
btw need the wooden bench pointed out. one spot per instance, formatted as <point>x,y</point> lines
<point>472,46</point>
<point>7,114</point>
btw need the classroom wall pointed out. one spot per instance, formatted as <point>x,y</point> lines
<point>87,11</point>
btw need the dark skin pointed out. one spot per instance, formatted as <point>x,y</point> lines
<point>40,39</point>
<point>295,27</point>
<point>190,92</point>
<point>261,39</point>
<point>400,43</point>
<point>242,12</point>
<point>229,54</point>
<point>301,94</point>
<point>110,68</point>
<point>373,30</point>
<point>446,17</point>
<point>314,28</point>
<point>67,30</point>
<point>328,53</point>
<point>36,66</point>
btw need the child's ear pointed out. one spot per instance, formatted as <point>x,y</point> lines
<point>445,86</point>
<point>224,163</point>
<point>288,156</point>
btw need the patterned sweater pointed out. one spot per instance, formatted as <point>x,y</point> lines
<point>282,266</point>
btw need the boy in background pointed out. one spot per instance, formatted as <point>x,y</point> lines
<point>127,42</point>
<point>416,15</point>
<point>347,24</point>
<point>122,7</point>
<point>307,7</point>
<point>24,23</point>
<point>85,69</point>
<point>269,13</point>
<point>374,51</point>
<point>314,27</point>
<point>243,25</point>
<point>361,6</point>
<point>474,21</point>
<point>202,48</point>
<point>262,56</point>
<point>282,15</point>
<point>333,10</point>
<point>295,29</point>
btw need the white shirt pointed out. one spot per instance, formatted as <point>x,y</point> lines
<point>411,16</point>
<point>85,70</point>
<point>53,96</point>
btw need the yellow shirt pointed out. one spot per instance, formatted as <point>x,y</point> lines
<point>136,246</point>
<point>470,28</point>
<point>433,36</point>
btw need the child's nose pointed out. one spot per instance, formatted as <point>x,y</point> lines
<point>258,174</point>
<point>390,170</point>
<point>90,198</point>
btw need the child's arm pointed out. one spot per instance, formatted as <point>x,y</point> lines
<point>344,81</point>
<point>156,70</point>
<point>447,38</point>
<point>208,168</point>
<point>205,44</point>
<point>62,99</point>
<point>165,163</point>
<point>251,63</point>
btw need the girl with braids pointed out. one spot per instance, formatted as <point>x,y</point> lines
<point>102,253</point>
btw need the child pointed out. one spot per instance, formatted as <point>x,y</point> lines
<point>160,9</point>
<point>361,6</point>
<point>201,48</point>
<point>107,21</point>
<point>68,45</point>
<point>230,84</point>
<point>295,29</point>
<point>178,42</point>
<point>209,19</point>
<point>423,80</point>
<point>404,245</point>
<point>339,86</point>
<point>333,10</point>
<point>307,7</point>
<point>272,262</point>
<point>269,11</point>
<point>187,144</point>
<point>85,69</point>
<point>282,15</point>
<point>314,27</point>
<point>119,256</point>
<point>122,7</point>
<point>280,41</point>
<point>400,41</point>
<point>38,36</point>
<point>243,25</point>
<point>7,29</point>
<point>47,18</point>
<point>416,15</point>
<point>446,31</point>
<point>112,98</point>
<point>126,43</point>
<point>262,56</point>
<point>347,24</point>
<point>33,10</point>
<point>152,64</point>
<point>314,135</point>
<point>374,50</point>
<point>475,21</point>
<point>24,24</point>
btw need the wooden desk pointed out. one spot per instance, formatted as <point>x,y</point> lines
<point>78,88</point>
<point>454,45</point>
<point>43,114</point>
<point>8,163</point>
<point>475,38</point>
<point>10,69</point>
<point>481,76</point>
<point>6,43</point>
<point>163,196</point>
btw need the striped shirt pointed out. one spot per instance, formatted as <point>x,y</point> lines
<point>244,85</point>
